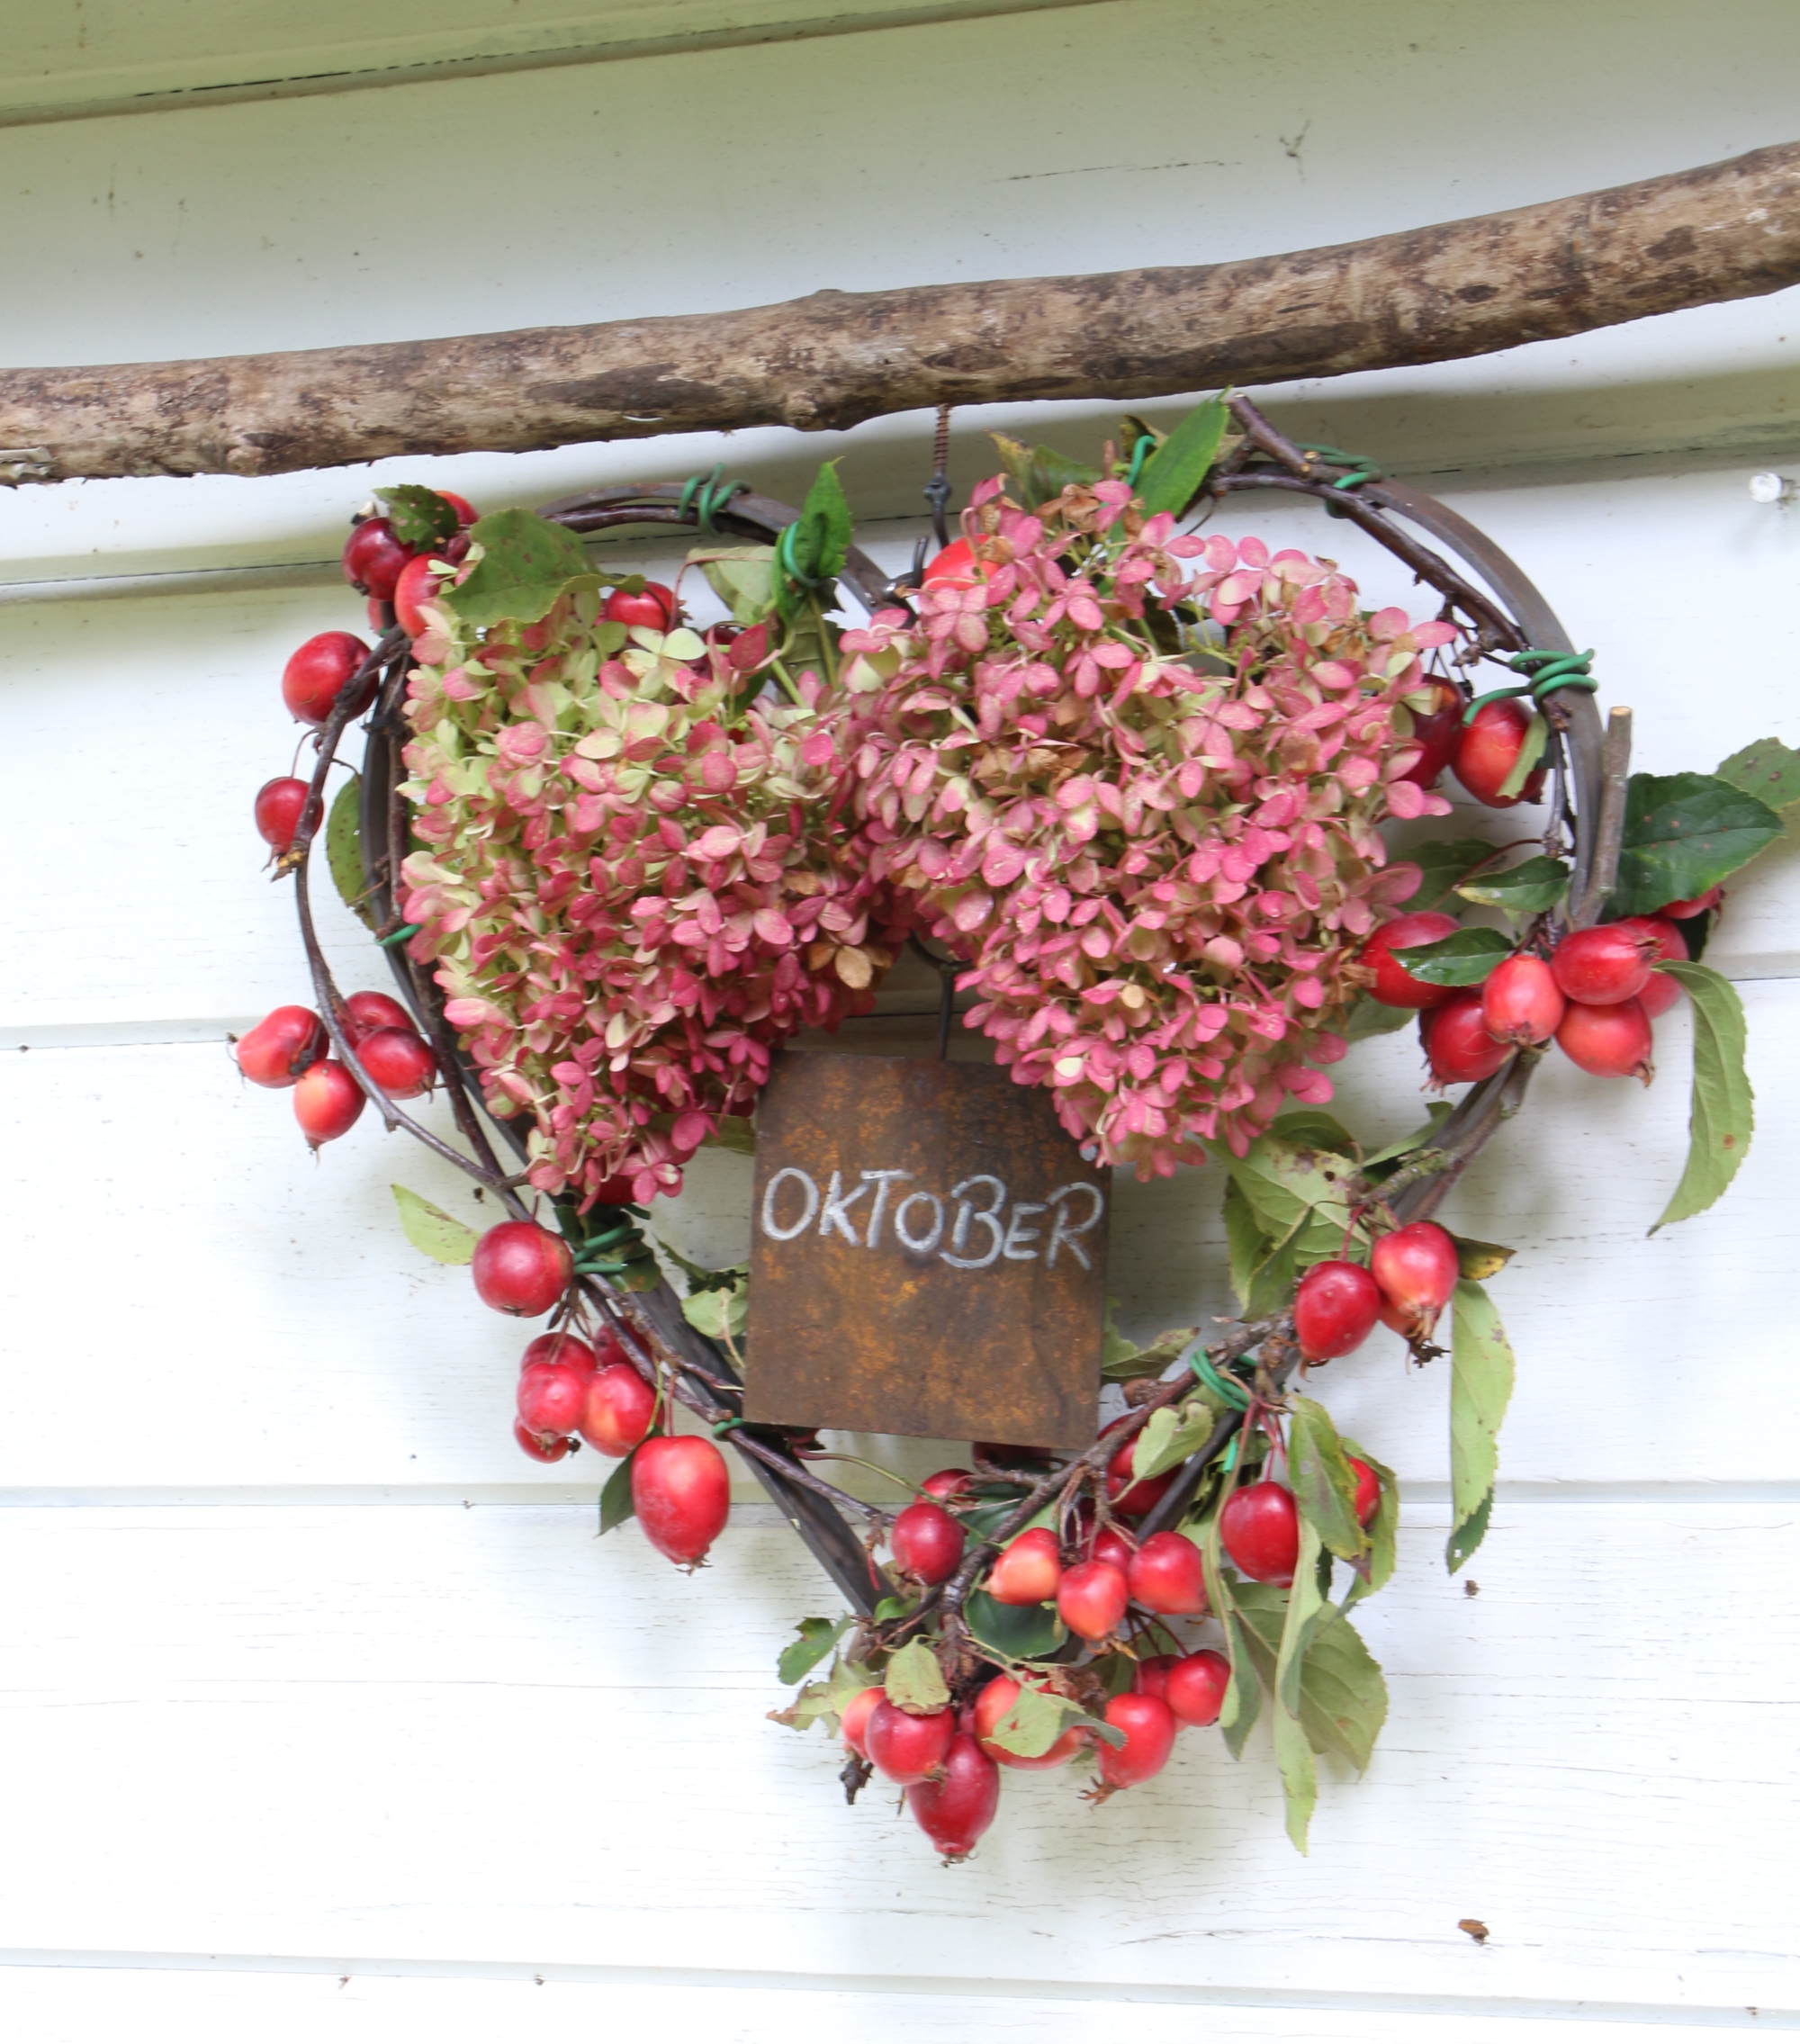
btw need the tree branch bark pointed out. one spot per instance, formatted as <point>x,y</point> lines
<point>1430,294</point>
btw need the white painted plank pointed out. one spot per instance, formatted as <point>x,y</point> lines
<point>93,2004</point>
<point>443,1736</point>
<point>266,1321</point>
<point>153,249</point>
<point>180,923</point>
<point>109,57</point>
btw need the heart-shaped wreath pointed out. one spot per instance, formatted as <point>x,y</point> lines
<point>1134,777</point>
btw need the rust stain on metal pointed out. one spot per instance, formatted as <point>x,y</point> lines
<point>928,1254</point>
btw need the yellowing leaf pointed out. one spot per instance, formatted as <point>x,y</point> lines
<point>439,1234</point>
<point>1722,1115</point>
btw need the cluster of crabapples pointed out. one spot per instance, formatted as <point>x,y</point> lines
<point>290,1049</point>
<point>571,1390</point>
<point>1107,1584</point>
<point>1596,993</point>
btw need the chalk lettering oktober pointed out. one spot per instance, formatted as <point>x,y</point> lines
<point>965,1231</point>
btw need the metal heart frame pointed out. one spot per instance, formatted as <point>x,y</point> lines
<point>1507,616</point>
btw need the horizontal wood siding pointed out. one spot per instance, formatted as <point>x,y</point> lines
<point>327,1712</point>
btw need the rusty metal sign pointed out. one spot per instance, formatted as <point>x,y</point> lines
<point>928,1254</point>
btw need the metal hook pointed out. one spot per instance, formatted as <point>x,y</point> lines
<point>938,489</point>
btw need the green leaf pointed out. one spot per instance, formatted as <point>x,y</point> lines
<point>914,1681</point>
<point>1312,1128</point>
<point>1463,958</point>
<point>1444,864</point>
<point>1246,1244</point>
<point>1041,473</point>
<point>829,1698</point>
<point>1468,1536</point>
<point>1530,751</point>
<point>1324,1483</point>
<point>820,540</point>
<point>527,563</point>
<point>1479,1260</point>
<point>893,1607</point>
<point>1293,1751</point>
<point>743,577</point>
<point>1383,1527</point>
<point>344,850</point>
<point>718,1313</point>
<point>1342,1698</point>
<point>420,517</point>
<point>1286,1183</point>
<point>1439,1112</point>
<point>1021,1632</point>
<point>1242,1697</point>
<point>616,1504</point>
<point>1368,1017</point>
<point>1527,888</point>
<point>1480,1386</point>
<point>442,1237</point>
<point>1684,833</point>
<point>817,1637</point>
<point>1166,1441</point>
<point>1033,1724</point>
<point>1722,1114</point>
<point>736,1133</point>
<point>1120,1359</point>
<point>1172,475</point>
<point>1768,770</point>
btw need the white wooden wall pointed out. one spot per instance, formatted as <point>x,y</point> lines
<point>324,1714</point>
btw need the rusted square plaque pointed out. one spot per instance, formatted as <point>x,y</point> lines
<point>928,1254</point>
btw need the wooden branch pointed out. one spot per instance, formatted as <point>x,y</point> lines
<point>1467,287</point>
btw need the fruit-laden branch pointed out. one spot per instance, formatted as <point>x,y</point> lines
<point>1430,295</point>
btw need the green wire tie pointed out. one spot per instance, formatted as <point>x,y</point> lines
<point>725,1426</point>
<point>1226,1388</point>
<point>708,496</point>
<point>1546,673</point>
<point>1140,453</point>
<point>402,934</point>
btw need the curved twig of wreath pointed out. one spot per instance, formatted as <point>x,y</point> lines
<point>1508,617</point>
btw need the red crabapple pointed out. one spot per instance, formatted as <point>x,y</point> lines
<point>1168,1576</point>
<point>279,806</point>
<point>540,1447</point>
<point>399,1060</point>
<point>1091,1600</point>
<point>1662,940</point>
<point>363,1013</point>
<point>521,1268</point>
<point>1368,1490</point>
<point>1612,1043</point>
<point>1129,1500</point>
<point>1521,1002</point>
<point>281,1047</point>
<point>1416,1268</point>
<point>618,1410</point>
<point>1395,987</point>
<point>316,673</point>
<point>1603,966</point>
<point>553,1396</point>
<point>1438,731</point>
<point>327,1101</point>
<point>1335,1309</point>
<point>954,1812</point>
<point>1028,1569</point>
<point>995,1702</point>
<point>1488,751</point>
<point>1459,1046</point>
<point>1150,1728</point>
<point>854,1722</point>
<point>373,556</point>
<point>1260,1528</point>
<point>927,1541</point>
<point>655,607</point>
<point>681,1489</point>
<point>1195,1688</point>
<point>905,1748</point>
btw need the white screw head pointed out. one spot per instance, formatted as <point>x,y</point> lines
<point>1768,488</point>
